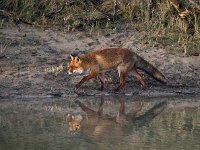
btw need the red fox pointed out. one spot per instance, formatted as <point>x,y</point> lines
<point>121,59</point>
<point>100,125</point>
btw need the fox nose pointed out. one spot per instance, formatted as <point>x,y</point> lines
<point>77,127</point>
<point>69,72</point>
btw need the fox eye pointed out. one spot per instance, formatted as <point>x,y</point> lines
<point>75,67</point>
<point>78,59</point>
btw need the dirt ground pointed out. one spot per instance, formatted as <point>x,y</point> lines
<point>33,63</point>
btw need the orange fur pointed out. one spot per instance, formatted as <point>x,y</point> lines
<point>123,60</point>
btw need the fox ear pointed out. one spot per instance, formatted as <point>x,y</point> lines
<point>72,57</point>
<point>70,117</point>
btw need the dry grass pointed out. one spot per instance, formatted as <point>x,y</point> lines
<point>161,22</point>
<point>54,70</point>
<point>2,50</point>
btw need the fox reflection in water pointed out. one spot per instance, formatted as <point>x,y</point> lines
<point>97,124</point>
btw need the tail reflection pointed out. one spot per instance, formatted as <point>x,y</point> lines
<point>150,114</point>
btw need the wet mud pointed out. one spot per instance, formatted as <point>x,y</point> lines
<point>33,64</point>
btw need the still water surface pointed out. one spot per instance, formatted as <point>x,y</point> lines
<point>120,123</point>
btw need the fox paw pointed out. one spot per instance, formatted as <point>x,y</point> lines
<point>101,88</point>
<point>77,86</point>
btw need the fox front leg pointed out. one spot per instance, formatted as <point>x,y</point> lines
<point>86,78</point>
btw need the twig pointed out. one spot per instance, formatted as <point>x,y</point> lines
<point>115,9</point>
<point>53,13</point>
<point>2,50</point>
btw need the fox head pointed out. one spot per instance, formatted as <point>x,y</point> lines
<point>74,122</point>
<point>74,65</point>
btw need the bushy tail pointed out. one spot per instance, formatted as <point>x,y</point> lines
<point>150,69</point>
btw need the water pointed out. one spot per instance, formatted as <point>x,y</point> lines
<point>149,123</point>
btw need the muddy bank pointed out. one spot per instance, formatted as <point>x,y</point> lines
<point>33,61</point>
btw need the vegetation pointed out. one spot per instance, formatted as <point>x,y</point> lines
<point>166,22</point>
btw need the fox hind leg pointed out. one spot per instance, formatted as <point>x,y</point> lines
<point>138,77</point>
<point>122,76</point>
<point>102,80</point>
